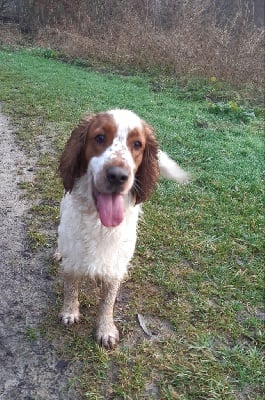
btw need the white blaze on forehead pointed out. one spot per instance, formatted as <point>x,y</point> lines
<point>126,121</point>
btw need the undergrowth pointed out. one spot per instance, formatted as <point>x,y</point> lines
<point>206,38</point>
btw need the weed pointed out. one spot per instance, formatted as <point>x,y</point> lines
<point>31,333</point>
<point>217,40</point>
<point>37,239</point>
<point>233,110</point>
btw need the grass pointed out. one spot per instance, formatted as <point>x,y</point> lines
<point>199,251</point>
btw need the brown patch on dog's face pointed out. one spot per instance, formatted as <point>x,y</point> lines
<point>101,132</point>
<point>136,144</point>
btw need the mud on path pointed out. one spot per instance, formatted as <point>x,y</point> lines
<point>29,369</point>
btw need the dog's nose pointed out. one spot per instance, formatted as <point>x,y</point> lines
<point>116,175</point>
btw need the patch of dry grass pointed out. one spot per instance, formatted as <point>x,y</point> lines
<point>10,34</point>
<point>180,37</point>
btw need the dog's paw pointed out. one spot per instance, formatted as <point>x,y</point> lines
<point>57,257</point>
<point>107,337</point>
<point>69,318</point>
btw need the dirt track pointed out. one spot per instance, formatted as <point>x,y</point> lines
<point>29,369</point>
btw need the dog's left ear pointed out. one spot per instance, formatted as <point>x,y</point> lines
<point>148,172</point>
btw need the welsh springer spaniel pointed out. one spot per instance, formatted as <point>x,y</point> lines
<point>109,166</point>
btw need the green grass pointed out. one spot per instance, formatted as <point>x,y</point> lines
<point>198,276</point>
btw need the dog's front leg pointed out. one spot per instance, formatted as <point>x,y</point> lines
<point>70,310</point>
<point>107,334</point>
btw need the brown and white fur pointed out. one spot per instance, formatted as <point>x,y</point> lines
<point>109,166</point>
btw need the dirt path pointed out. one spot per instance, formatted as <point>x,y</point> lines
<point>29,369</point>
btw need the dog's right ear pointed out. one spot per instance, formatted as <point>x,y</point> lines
<point>72,162</point>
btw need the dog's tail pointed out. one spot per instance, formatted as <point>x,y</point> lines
<point>170,169</point>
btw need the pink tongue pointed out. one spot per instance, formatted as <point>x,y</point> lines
<point>110,208</point>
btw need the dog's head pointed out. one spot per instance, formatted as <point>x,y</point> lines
<point>120,152</point>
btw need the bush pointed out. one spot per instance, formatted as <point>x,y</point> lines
<point>200,38</point>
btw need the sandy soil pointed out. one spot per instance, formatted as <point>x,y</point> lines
<point>29,369</point>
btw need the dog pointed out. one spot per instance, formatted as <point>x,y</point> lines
<point>109,167</point>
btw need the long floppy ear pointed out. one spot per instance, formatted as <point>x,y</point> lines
<point>71,163</point>
<point>147,174</point>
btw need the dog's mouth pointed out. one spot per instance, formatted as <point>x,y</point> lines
<point>110,207</point>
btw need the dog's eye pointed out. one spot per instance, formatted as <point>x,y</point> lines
<point>100,139</point>
<point>137,145</point>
